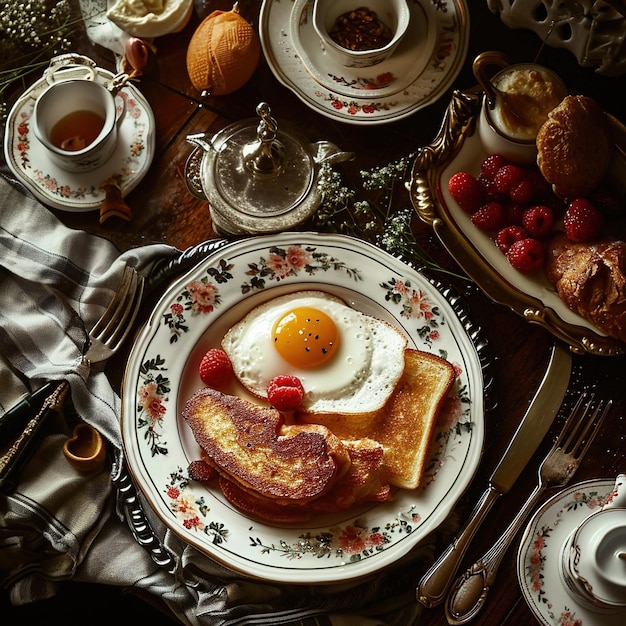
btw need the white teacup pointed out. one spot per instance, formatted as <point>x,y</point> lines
<point>76,120</point>
<point>516,103</point>
<point>593,564</point>
<point>394,14</point>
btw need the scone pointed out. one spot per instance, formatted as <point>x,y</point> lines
<point>591,280</point>
<point>575,147</point>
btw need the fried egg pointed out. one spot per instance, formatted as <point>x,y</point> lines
<point>348,362</point>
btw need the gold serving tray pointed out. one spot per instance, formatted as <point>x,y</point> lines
<point>456,148</point>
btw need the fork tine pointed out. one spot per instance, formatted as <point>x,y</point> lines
<point>593,426</point>
<point>104,323</point>
<point>123,317</point>
<point>573,421</point>
<point>570,433</point>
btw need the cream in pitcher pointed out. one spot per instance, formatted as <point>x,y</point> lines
<point>531,93</point>
<point>517,102</point>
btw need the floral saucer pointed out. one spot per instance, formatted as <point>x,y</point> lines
<point>80,191</point>
<point>361,98</point>
<point>396,73</point>
<point>538,562</point>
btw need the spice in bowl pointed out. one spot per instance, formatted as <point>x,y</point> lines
<point>360,29</point>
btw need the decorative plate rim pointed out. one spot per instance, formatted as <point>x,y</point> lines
<point>427,191</point>
<point>159,481</point>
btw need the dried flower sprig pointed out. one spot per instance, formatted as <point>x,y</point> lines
<point>31,33</point>
<point>341,211</point>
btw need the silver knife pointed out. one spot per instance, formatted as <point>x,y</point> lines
<point>436,582</point>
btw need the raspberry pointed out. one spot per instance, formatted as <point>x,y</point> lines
<point>490,216</point>
<point>201,471</point>
<point>541,186</point>
<point>285,393</point>
<point>538,221</point>
<point>491,165</point>
<point>526,255</point>
<point>522,192</point>
<point>557,205</point>
<point>491,192</point>
<point>514,213</point>
<point>507,177</point>
<point>582,221</point>
<point>467,191</point>
<point>608,202</point>
<point>215,368</point>
<point>508,236</point>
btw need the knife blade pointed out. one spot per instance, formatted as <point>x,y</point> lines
<point>436,582</point>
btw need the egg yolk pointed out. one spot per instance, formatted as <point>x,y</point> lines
<point>306,337</point>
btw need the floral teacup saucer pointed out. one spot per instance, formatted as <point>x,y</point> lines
<point>539,557</point>
<point>80,191</point>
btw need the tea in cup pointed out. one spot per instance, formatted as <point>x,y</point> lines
<point>76,120</point>
<point>359,34</point>
<point>516,104</point>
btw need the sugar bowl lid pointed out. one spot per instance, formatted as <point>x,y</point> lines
<point>257,177</point>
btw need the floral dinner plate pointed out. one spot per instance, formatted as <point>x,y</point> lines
<point>298,65</point>
<point>540,551</point>
<point>162,374</point>
<point>80,191</point>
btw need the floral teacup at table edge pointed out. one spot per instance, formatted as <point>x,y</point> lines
<point>360,29</point>
<point>76,119</point>
<point>593,564</point>
<point>517,101</point>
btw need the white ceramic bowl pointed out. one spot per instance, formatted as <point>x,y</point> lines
<point>393,13</point>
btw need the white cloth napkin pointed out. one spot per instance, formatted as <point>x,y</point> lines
<point>61,524</point>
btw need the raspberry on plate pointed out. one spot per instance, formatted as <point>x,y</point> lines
<point>582,221</point>
<point>215,368</point>
<point>538,221</point>
<point>492,164</point>
<point>507,177</point>
<point>490,216</point>
<point>526,255</point>
<point>608,202</point>
<point>467,191</point>
<point>285,393</point>
<point>508,236</point>
<point>522,192</point>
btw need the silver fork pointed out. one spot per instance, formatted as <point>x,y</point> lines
<point>116,322</point>
<point>468,594</point>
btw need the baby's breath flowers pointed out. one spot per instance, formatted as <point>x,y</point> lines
<point>341,211</point>
<point>31,33</point>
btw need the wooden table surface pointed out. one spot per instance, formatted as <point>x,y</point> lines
<point>164,211</point>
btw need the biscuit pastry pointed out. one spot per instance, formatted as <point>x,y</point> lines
<point>575,147</point>
<point>591,280</point>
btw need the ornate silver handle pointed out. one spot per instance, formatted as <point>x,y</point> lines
<point>436,582</point>
<point>470,591</point>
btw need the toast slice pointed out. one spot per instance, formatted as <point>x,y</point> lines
<point>405,425</point>
<point>252,446</point>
